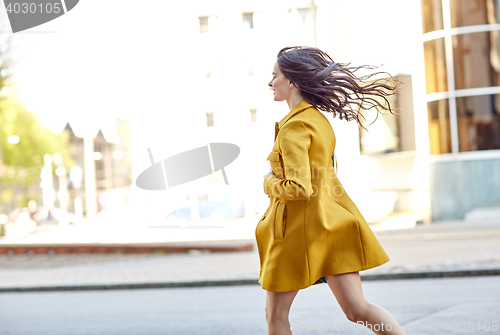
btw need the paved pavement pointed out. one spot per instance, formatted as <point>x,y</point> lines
<point>454,248</point>
<point>420,306</point>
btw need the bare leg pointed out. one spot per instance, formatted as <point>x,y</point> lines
<point>347,290</point>
<point>277,309</point>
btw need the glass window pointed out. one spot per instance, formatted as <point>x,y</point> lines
<point>383,130</point>
<point>210,119</point>
<point>479,122</point>
<point>388,132</point>
<point>203,24</point>
<point>439,127</point>
<point>473,12</point>
<point>253,115</point>
<point>435,66</point>
<point>382,135</point>
<point>247,20</point>
<point>432,15</point>
<point>476,60</point>
<point>207,23</point>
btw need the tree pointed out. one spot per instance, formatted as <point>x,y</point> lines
<point>24,159</point>
<point>21,162</point>
<point>6,61</point>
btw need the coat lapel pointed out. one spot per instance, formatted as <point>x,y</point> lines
<point>295,110</point>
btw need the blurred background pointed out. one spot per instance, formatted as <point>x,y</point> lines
<point>84,96</point>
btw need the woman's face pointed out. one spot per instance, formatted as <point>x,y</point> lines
<point>280,84</point>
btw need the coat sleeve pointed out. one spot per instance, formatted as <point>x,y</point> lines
<point>294,144</point>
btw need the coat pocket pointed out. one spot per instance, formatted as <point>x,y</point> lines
<point>280,221</point>
<point>275,160</point>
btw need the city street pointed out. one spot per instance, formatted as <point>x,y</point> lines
<point>422,306</point>
<point>159,159</point>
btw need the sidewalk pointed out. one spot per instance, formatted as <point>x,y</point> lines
<point>210,235</point>
<point>455,248</point>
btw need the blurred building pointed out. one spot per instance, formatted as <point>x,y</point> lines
<point>232,102</point>
<point>236,44</point>
<point>113,168</point>
<point>462,70</point>
<point>438,158</point>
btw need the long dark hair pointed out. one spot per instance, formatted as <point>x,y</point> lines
<point>333,87</point>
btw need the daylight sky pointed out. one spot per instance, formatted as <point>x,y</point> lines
<point>102,59</point>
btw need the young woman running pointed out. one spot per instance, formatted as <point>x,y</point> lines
<point>312,232</point>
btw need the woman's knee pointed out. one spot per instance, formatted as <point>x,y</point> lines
<point>348,291</point>
<point>357,312</point>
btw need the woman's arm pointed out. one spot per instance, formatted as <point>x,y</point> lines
<point>294,141</point>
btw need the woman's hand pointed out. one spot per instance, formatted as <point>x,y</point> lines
<point>269,173</point>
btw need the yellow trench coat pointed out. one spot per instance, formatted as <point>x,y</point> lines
<point>311,228</point>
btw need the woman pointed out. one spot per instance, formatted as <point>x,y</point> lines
<point>312,232</point>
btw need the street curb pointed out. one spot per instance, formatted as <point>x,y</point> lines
<point>432,274</point>
<point>388,276</point>
<point>131,248</point>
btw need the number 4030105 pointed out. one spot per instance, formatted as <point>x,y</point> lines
<point>471,326</point>
<point>32,8</point>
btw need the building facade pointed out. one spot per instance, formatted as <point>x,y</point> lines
<point>235,46</point>
<point>439,158</point>
<point>113,168</point>
<point>462,71</point>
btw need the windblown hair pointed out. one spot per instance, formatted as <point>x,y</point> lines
<point>333,87</point>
